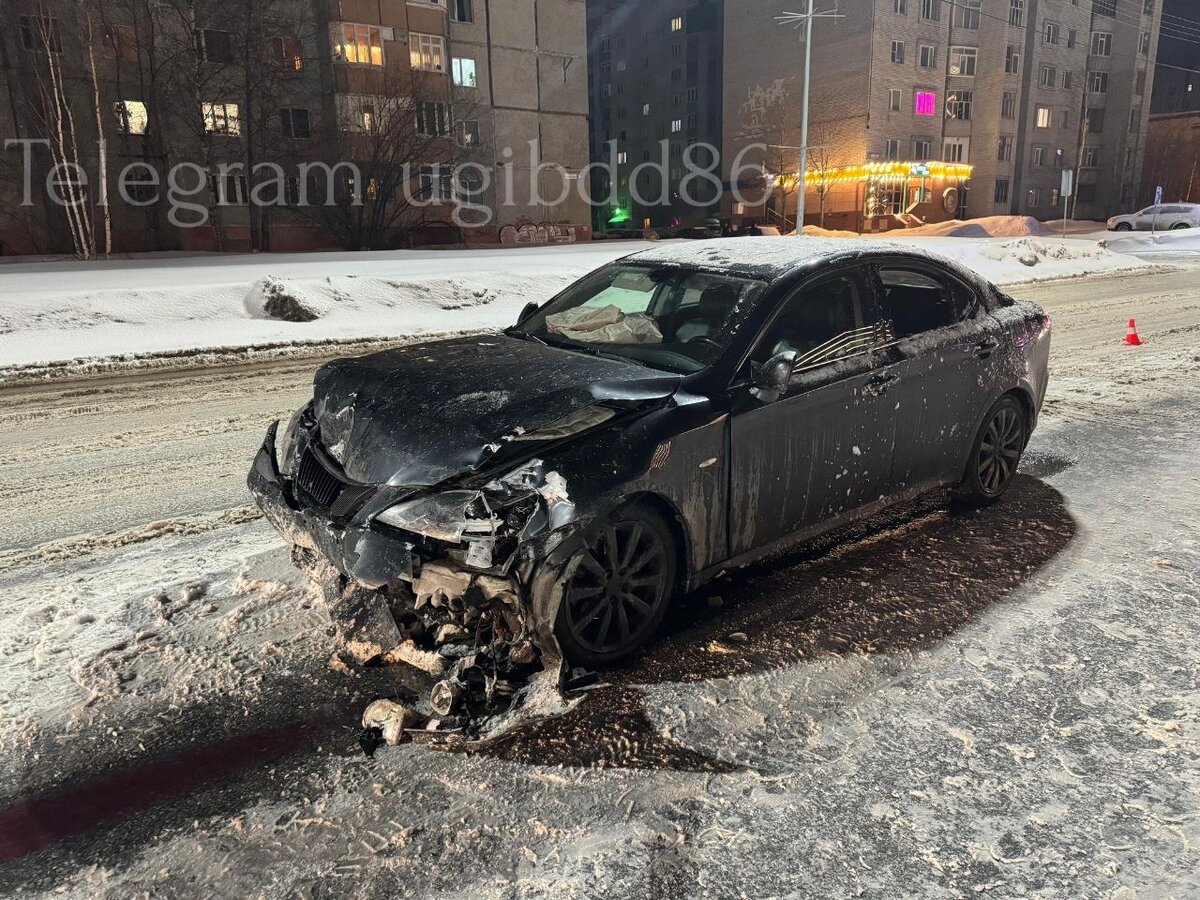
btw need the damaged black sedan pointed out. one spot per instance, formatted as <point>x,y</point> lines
<point>488,506</point>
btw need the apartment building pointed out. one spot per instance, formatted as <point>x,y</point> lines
<point>923,110</point>
<point>654,79</point>
<point>405,92</point>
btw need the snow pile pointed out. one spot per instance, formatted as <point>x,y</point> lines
<point>987,226</point>
<point>818,231</point>
<point>1185,240</point>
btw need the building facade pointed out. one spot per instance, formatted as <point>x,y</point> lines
<point>654,79</point>
<point>1017,90</point>
<point>300,123</point>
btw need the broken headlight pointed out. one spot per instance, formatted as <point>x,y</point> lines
<point>285,444</point>
<point>484,525</point>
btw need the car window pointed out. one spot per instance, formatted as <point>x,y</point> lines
<point>821,323</point>
<point>915,302</point>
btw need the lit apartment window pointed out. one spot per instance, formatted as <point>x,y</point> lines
<point>897,51</point>
<point>1016,13</point>
<point>895,98</point>
<point>927,56</point>
<point>1012,61</point>
<point>1008,105</point>
<point>462,69</point>
<point>466,132</point>
<point>622,158</point>
<point>1102,43</point>
<point>131,115</point>
<point>966,14</point>
<point>931,10</point>
<point>1050,33</point>
<point>287,53</point>
<point>1005,148</point>
<point>431,118</point>
<point>221,118</point>
<point>1048,77</point>
<point>359,44</point>
<point>900,7</point>
<point>676,125</point>
<point>1043,117</point>
<point>40,33</point>
<point>428,52</point>
<point>677,23</point>
<point>958,105</point>
<point>1000,195</point>
<point>294,123</point>
<point>215,46</point>
<point>891,149</point>
<point>645,109</point>
<point>962,60</point>
<point>462,10</point>
<point>1098,82</point>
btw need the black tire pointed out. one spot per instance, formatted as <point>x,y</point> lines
<point>620,588</point>
<point>1179,226</point>
<point>1123,226</point>
<point>996,451</point>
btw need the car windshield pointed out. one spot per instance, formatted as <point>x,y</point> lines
<point>676,319</point>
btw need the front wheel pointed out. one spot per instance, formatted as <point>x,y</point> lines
<point>1123,226</point>
<point>996,451</point>
<point>620,588</point>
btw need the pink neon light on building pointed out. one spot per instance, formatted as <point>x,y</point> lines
<point>925,103</point>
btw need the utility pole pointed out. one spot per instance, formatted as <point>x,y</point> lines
<point>796,20</point>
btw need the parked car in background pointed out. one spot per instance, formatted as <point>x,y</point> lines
<point>1167,217</point>
<point>547,491</point>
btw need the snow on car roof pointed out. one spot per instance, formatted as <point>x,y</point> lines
<point>767,255</point>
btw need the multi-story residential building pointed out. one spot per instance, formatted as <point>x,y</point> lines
<point>399,94</point>
<point>906,94</point>
<point>1177,69</point>
<point>654,76</point>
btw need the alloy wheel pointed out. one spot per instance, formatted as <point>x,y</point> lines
<point>622,581</point>
<point>1000,449</point>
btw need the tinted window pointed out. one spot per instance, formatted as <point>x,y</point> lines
<point>915,302</point>
<point>821,323</point>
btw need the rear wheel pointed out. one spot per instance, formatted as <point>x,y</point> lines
<point>996,451</point>
<point>1179,226</point>
<point>620,588</point>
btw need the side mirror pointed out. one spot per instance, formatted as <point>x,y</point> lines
<point>530,308</point>
<point>772,378</point>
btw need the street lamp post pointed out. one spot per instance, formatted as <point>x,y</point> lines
<point>806,19</point>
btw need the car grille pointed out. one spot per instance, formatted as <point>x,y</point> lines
<point>327,488</point>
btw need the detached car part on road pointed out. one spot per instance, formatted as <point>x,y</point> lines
<point>485,507</point>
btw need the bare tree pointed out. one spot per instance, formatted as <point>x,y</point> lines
<point>405,142</point>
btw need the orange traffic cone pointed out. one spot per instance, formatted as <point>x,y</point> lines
<point>1131,336</point>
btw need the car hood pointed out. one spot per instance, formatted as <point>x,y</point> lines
<point>420,414</point>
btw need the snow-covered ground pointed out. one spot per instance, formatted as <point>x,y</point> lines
<point>69,318</point>
<point>948,704</point>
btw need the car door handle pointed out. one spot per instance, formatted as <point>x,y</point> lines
<point>985,347</point>
<point>879,385</point>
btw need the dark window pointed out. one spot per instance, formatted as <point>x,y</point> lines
<point>431,118</point>
<point>294,123</point>
<point>820,323</point>
<point>40,33</point>
<point>462,11</point>
<point>916,302</point>
<point>216,46</point>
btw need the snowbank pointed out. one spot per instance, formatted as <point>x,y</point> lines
<point>1184,240</point>
<point>988,226</point>
<point>83,317</point>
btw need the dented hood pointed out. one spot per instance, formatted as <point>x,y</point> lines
<point>422,413</point>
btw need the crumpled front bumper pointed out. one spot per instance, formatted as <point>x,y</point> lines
<point>368,557</point>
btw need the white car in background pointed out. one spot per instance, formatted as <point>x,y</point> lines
<point>1166,217</point>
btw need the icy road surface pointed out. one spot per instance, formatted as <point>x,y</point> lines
<point>1001,702</point>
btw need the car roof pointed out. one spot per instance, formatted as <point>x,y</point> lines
<point>773,257</point>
